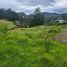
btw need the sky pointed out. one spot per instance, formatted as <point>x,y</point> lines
<point>28,6</point>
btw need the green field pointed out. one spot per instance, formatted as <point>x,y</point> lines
<point>31,47</point>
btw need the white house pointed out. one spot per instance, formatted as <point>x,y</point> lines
<point>61,21</point>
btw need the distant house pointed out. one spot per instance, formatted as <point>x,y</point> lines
<point>61,21</point>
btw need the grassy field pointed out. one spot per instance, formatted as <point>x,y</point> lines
<point>31,47</point>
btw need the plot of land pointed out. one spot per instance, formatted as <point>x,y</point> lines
<point>62,36</point>
<point>31,47</point>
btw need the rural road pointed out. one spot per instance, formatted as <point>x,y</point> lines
<point>62,37</point>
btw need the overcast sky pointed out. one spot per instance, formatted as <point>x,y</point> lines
<point>28,6</point>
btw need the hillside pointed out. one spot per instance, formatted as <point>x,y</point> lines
<point>31,47</point>
<point>6,24</point>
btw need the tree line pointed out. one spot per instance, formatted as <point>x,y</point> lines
<point>23,20</point>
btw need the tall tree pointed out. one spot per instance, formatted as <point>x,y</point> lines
<point>38,17</point>
<point>37,10</point>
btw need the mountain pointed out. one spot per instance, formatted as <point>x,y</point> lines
<point>49,15</point>
<point>11,14</point>
<point>52,15</point>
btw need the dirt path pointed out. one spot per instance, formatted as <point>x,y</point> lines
<point>62,37</point>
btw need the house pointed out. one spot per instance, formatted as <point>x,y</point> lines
<point>61,21</point>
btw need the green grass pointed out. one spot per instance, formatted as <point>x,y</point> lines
<point>31,47</point>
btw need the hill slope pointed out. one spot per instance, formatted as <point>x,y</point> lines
<point>6,24</point>
<point>31,47</point>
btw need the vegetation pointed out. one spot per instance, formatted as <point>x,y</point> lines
<point>31,47</point>
<point>35,19</point>
<point>8,15</point>
<point>38,18</point>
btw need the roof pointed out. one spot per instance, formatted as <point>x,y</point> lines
<point>61,21</point>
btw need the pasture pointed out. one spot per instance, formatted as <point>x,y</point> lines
<point>31,47</point>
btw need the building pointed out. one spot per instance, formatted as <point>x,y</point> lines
<point>61,21</point>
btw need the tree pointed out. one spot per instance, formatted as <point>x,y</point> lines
<point>37,10</point>
<point>8,15</point>
<point>25,22</point>
<point>38,17</point>
<point>11,15</point>
<point>65,16</point>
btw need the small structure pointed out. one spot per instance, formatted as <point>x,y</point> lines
<point>61,21</point>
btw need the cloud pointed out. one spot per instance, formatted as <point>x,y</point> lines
<point>28,6</point>
<point>59,6</point>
